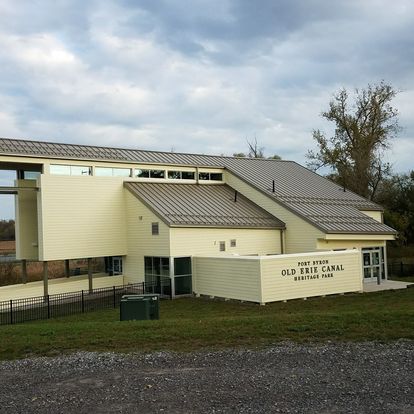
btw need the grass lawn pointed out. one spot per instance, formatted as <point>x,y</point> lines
<point>192,324</point>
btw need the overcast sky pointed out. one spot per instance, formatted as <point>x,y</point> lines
<point>198,76</point>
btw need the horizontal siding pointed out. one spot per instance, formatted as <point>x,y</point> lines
<point>277,287</point>
<point>227,278</point>
<point>82,217</point>
<point>140,240</point>
<point>206,241</point>
<point>300,236</point>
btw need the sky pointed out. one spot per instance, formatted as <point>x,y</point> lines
<point>198,76</point>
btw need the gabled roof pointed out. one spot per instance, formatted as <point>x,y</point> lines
<point>211,205</point>
<point>317,200</point>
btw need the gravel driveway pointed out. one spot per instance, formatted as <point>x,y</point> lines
<point>287,378</point>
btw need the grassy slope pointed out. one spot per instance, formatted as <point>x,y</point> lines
<point>191,324</point>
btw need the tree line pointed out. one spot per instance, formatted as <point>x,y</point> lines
<point>7,231</point>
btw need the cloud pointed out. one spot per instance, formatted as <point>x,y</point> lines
<point>200,76</point>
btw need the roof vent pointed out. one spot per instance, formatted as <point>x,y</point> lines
<point>235,196</point>
<point>273,186</point>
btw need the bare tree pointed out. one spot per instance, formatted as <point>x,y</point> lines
<point>254,150</point>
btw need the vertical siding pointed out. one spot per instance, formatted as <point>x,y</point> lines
<point>140,240</point>
<point>82,217</point>
<point>276,286</point>
<point>206,241</point>
<point>232,278</point>
<point>300,235</point>
<point>26,222</point>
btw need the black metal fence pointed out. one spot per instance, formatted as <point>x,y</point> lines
<point>64,304</point>
<point>400,269</point>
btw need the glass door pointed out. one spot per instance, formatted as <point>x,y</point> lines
<point>371,262</point>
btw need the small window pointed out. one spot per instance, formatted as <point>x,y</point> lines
<point>216,176</point>
<point>60,169</point>
<point>121,172</point>
<point>187,175</point>
<point>157,173</point>
<point>204,176</point>
<point>78,170</point>
<point>142,173</point>
<point>174,175</point>
<point>103,172</point>
<point>155,229</point>
<point>233,243</point>
<point>222,246</point>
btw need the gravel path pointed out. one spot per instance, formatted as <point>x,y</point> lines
<point>287,378</point>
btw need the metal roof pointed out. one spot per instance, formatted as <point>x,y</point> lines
<point>296,187</point>
<point>211,205</point>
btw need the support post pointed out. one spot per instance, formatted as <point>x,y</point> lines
<point>67,268</point>
<point>24,271</point>
<point>384,250</point>
<point>172,272</point>
<point>45,279</point>
<point>90,279</point>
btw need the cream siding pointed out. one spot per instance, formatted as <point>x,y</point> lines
<point>206,241</point>
<point>300,236</point>
<point>140,240</point>
<point>274,278</point>
<point>349,244</point>
<point>26,221</point>
<point>227,278</point>
<point>376,215</point>
<point>82,217</point>
<point>276,286</point>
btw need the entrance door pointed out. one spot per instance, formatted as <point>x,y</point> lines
<point>371,262</point>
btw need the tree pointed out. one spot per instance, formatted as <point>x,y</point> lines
<point>254,150</point>
<point>7,230</point>
<point>364,128</point>
<point>396,194</point>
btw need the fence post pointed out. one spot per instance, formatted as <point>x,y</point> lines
<point>401,269</point>
<point>83,304</point>
<point>11,312</point>
<point>48,307</point>
<point>114,297</point>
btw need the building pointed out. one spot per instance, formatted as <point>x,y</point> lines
<point>154,214</point>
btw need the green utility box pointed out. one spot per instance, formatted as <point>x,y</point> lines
<point>140,307</point>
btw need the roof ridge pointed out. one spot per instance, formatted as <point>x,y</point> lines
<point>140,150</point>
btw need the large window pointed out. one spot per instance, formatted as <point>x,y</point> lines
<point>182,275</point>
<point>157,271</point>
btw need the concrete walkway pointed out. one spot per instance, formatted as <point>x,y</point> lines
<point>61,285</point>
<point>385,285</point>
